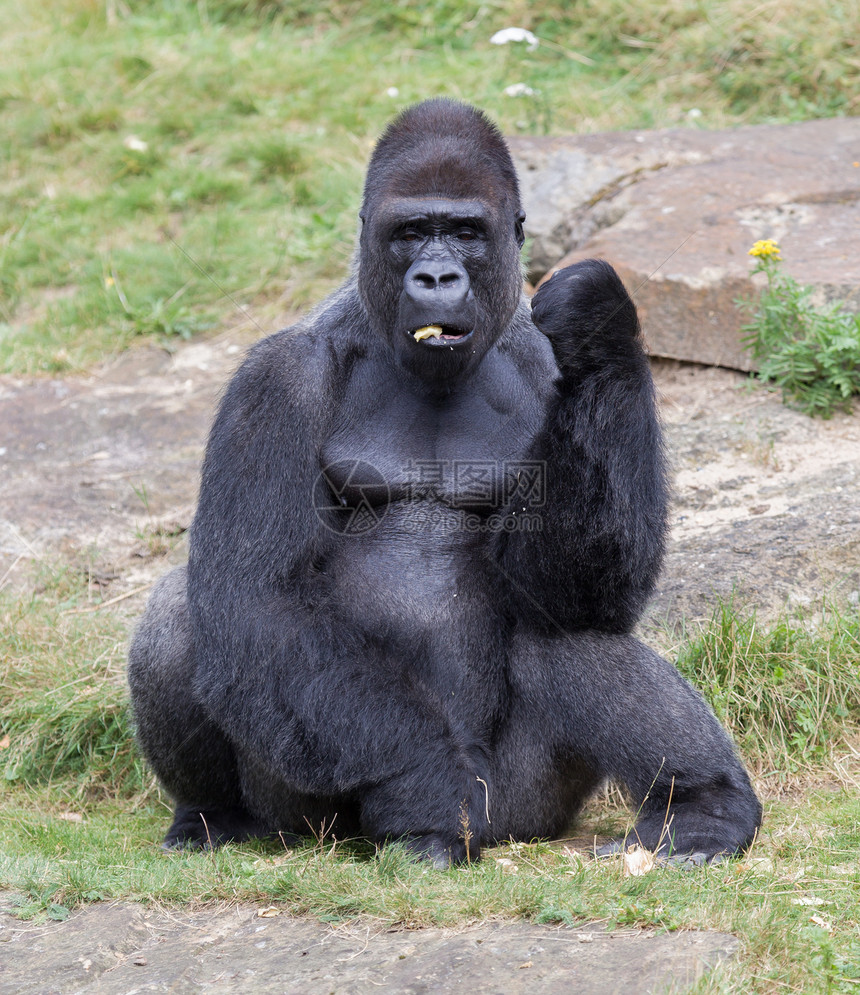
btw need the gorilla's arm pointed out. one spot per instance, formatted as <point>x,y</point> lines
<point>596,559</point>
<point>318,705</point>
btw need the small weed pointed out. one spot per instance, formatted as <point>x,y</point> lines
<point>156,538</point>
<point>272,157</point>
<point>166,318</point>
<point>811,353</point>
<point>136,161</point>
<point>103,118</point>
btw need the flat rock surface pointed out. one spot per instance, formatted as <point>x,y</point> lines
<point>676,211</point>
<point>767,500</point>
<point>123,948</point>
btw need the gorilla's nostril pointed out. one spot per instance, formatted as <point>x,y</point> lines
<point>436,276</point>
<point>431,281</point>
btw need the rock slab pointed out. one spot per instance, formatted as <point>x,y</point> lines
<point>124,948</point>
<point>677,211</point>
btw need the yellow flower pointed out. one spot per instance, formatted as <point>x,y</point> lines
<point>765,248</point>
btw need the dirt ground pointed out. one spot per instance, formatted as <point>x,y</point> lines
<point>104,469</point>
<point>121,949</point>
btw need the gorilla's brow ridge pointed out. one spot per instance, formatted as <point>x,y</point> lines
<point>406,209</point>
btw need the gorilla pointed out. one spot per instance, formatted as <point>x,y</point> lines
<point>430,516</point>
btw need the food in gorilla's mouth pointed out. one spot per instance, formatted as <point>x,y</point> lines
<point>428,331</point>
<point>438,333</point>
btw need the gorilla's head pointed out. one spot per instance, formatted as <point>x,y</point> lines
<point>441,236</point>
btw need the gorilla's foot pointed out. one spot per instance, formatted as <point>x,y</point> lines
<point>694,833</point>
<point>441,852</point>
<point>197,828</point>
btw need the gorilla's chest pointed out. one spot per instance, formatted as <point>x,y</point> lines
<point>464,451</point>
<point>414,482</point>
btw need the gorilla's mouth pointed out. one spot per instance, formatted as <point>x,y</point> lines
<point>440,335</point>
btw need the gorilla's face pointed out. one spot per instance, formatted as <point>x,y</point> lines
<point>450,272</point>
<point>440,241</point>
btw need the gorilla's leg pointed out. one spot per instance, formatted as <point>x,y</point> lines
<point>536,786</point>
<point>595,706</point>
<point>190,755</point>
<point>291,813</point>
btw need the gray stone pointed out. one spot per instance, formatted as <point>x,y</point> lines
<point>677,211</point>
<point>123,949</point>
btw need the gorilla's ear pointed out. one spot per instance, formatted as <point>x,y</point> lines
<point>361,216</point>
<point>518,229</point>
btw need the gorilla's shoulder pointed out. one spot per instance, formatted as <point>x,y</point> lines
<point>294,358</point>
<point>305,359</point>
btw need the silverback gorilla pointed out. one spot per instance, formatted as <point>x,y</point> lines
<point>430,516</point>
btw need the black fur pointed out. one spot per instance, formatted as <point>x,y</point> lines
<point>360,636</point>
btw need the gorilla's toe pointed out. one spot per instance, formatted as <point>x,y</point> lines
<point>196,828</point>
<point>610,849</point>
<point>697,858</point>
<point>442,853</point>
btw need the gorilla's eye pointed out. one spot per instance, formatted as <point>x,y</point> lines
<point>466,235</point>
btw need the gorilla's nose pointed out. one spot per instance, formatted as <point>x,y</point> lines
<point>436,282</point>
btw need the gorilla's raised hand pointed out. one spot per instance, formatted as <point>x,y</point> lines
<point>604,515</point>
<point>587,314</point>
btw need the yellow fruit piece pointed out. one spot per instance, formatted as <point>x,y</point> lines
<point>427,332</point>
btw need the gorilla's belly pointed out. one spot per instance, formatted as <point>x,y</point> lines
<point>416,586</point>
<point>415,573</point>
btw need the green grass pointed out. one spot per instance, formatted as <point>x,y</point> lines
<point>788,690</point>
<point>81,818</point>
<point>164,159</point>
<point>63,699</point>
<point>805,866</point>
